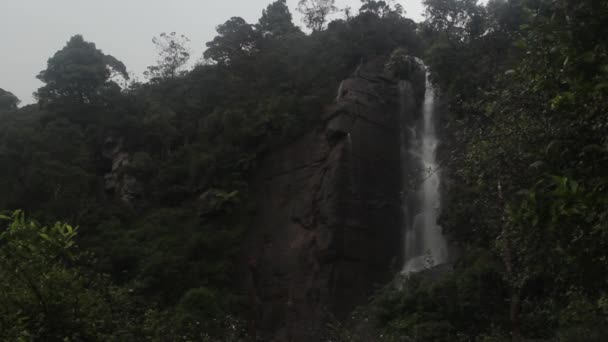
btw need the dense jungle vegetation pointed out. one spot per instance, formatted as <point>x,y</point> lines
<point>147,254</point>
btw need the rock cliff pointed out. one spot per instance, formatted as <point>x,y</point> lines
<point>328,227</point>
<point>118,183</point>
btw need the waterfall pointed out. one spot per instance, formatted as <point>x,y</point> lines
<point>340,89</point>
<point>425,244</point>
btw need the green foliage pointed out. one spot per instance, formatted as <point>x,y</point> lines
<point>78,73</point>
<point>445,307</point>
<point>49,293</point>
<point>456,19</point>
<point>235,40</point>
<point>315,12</point>
<point>43,298</point>
<point>402,65</point>
<point>381,8</point>
<point>49,167</point>
<point>172,57</point>
<point>527,143</point>
<point>8,101</point>
<point>276,20</point>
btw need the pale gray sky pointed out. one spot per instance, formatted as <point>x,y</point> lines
<point>33,30</point>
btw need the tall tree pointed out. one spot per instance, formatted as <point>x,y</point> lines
<point>236,38</point>
<point>8,101</point>
<point>78,73</point>
<point>457,19</point>
<point>380,8</point>
<point>276,20</point>
<point>316,12</point>
<point>173,54</point>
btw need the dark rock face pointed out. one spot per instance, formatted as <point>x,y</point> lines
<point>126,187</point>
<point>329,222</point>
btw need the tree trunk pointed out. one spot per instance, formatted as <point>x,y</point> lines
<point>507,255</point>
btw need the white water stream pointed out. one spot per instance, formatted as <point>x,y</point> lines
<point>425,244</point>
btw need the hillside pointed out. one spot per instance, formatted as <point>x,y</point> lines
<point>282,189</point>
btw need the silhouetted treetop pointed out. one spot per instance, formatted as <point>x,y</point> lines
<point>78,73</point>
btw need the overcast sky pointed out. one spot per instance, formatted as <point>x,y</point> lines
<point>31,31</point>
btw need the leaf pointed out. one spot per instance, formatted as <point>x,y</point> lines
<point>537,164</point>
<point>601,86</point>
<point>574,186</point>
<point>588,57</point>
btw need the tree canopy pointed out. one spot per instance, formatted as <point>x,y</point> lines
<point>276,20</point>
<point>316,12</point>
<point>381,8</point>
<point>236,38</point>
<point>8,101</point>
<point>79,72</point>
<point>173,54</point>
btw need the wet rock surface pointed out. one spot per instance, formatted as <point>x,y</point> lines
<point>117,182</point>
<point>328,228</point>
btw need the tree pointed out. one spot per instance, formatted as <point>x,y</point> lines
<point>531,122</point>
<point>458,19</point>
<point>380,8</point>
<point>43,299</point>
<point>276,20</point>
<point>8,101</point>
<point>172,56</point>
<point>316,12</point>
<point>236,38</point>
<point>78,73</point>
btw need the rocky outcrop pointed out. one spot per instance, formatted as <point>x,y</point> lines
<point>328,224</point>
<point>118,182</point>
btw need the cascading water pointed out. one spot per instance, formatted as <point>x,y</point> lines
<point>425,244</point>
<point>340,89</point>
